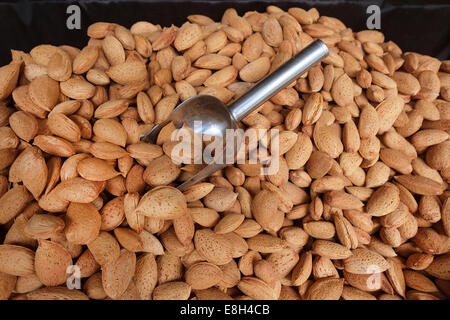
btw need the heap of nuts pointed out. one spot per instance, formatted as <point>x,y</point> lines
<point>359,208</point>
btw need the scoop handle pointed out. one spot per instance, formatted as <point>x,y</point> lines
<point>278,79</point>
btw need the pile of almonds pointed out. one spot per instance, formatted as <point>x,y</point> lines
<point>359,208</point>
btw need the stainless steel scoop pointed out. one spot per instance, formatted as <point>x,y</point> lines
<point>216,117</point>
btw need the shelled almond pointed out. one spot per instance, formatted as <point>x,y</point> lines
<point>359,208</point>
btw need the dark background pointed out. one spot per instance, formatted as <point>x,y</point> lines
<point>421,26</point>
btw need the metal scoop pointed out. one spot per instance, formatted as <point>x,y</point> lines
<point>216,117</point>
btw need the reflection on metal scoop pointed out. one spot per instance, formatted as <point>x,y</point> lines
<point>216,117</point>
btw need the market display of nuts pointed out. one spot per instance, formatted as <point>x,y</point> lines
<point>359,208</point>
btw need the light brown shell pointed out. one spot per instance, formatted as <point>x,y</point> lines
<point>117,275</point>
<point>214,247</point>
<point>105,248</point>
<point>203,275</point>
<point>83,223</point>
<point>162,202</point>
<point>51,263</point>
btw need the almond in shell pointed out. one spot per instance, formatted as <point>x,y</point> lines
<point>388,111</point>
<point>255,70</point>
<point>59,66</point>
<point>79,190</point>
<point>105,249</point>
<point>24,125</point>
<point>117,275</point>
<point>62,126</point>
<point>342,90</point>
<point>23,102</point>
<point>256,288</point>
<point>162,202</point>
<point>13,202</point>
<point>111,109</point>
<point>9,76</point>
<point>77,88</point>
<point>330,249</point>
<point>214,247</point>
<point>146,275</point>
<point>128,72</point>
<point>365,261</point>
<point>129,239</point>
<point>222,78</point>
<point>82,223</point>
<point>174,290</point>
<point>96,169</point>
<point>113,50</point>
<point>198,191</point>
<point>220,199</point>
<point>44,92</point>
<point>106,150</point>
<point>439,268</point>
<point>56,293</point>
<point>325,289</point>
<point>30,168</point>
<point>420,184</point>
<point>203,275</point>
<point>43,226</point>
<point>16,260</point>
<point>384,200</point>
<point>51,263</point>
<point>54,145</point>
<point>7,284</point>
